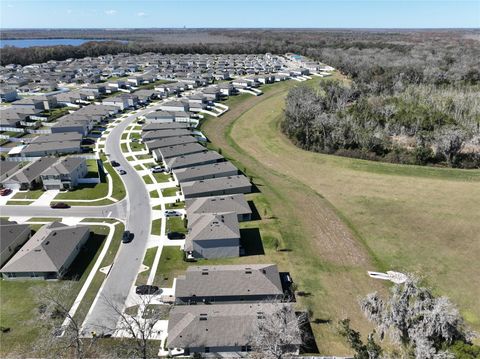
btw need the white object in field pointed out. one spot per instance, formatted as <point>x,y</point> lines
<point>392,276</point>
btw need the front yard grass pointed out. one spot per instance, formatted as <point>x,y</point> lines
<point>169,192</point>
<point>135,146</point>
<point>124,147</point>
<point>161,177</point>
<point>171,265</point>
<point>175,205</point>
<point>88,191</point>
<point>45,219</point>
<point>156,226</point>
<point>147,179</point>
<point>176,224</point>
<point>148,262</point>
<point>154,194</point>
<point>35,194</point>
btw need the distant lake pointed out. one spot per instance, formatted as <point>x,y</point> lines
<point>45,42</point>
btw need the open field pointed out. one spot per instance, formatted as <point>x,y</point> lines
<point>341,217</point>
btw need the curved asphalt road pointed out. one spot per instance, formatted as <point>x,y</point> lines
<point>102,317</point>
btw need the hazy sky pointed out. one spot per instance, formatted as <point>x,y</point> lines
<point>238,13</point>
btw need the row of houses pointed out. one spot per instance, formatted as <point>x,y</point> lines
<point>218,308</point>
<point>212,187</point>
<point>46,172</point>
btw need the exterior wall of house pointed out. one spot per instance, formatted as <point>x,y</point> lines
<point>74,128</point>
<point>30,275</point>
<point>53,152</point>
<point>220,192</point>
<point>65,181</point>
<point>218,248</point>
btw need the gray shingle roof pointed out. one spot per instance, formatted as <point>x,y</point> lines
<point>179,150</point>
<point>153,135</point>
<point>230,280</point>
<point>48,249</point>
<point>190,189</point>
<point>212,226</point>
<point>193,159</point>
<point>218,325</point>
<point>170,141</point>
<point>204,171</point>
<point>32,171</point>
<point>165,126</point>
<point>217,204</point>
<point>64,166</point>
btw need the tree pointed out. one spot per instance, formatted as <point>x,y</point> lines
<point>140,323</point>
<point>61,331</point>
<point>413,317</point>
<point>449,141</point>
<point>371,350</point>
<point>278,332</point>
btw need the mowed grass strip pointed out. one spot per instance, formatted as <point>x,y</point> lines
<point>176,224</point>
<point>148,262</point>
<point>169,192</point>
<point>18,203</point>
<point>156,226</point>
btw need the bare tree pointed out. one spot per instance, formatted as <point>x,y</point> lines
<point>449,142</point>
<point>140,324</point>
<point>278,332</point>
<point>61,332</point>
<point>417,320</point>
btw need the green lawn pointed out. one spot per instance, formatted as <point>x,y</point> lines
<point>176,224</point>
<point>170,266</point>
<point>129,158</point>
<point>157,208</point>
<point>18,309</point>
<point>92,167</point>
<point>124,136</point>
<point>161,177</point>
<point>156,226</point>
<point>175,205</point>
<point>18,203</point>
<point>147,179</point>
<point>35,194</point>
<point>119,191</point>
<point>167,192</point>
<point>124,147</point>
<point>135,135</point>
<point>135,146</point>
<point>154,194</point>
<point>144,157</point>
<point>138,167</point>
<point>147,261</point>
<point>89,191</point>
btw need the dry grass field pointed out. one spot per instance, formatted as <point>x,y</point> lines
<point>339,217</point>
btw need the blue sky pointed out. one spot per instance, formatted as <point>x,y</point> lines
<point>238,13</point>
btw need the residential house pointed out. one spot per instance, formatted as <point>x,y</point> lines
<point>159,134</point>
<point>48,254</point>
<point>8,94</point>
<point>165,153</point>
<point>213,236</point>
<point>195,159</point>
<point>213,284</point>
<point>28,177</point>
<point>235,203</point>
<point>12,236</point>
<point>222,328</point>
<point>169,141</point>
<point>197,173</point>
<point>65,173</point>
<point>216,186</point>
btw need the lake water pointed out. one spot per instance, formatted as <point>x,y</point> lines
<point>44,42</point>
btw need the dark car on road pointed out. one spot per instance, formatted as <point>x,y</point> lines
<point>146,289</point>
<point>175,235</point>
<point>5,191</point>
<point>127,237</point>
<point>122,172</point>
<point>115,163</point>
<point>60,205</point>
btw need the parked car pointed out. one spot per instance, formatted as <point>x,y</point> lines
<point>175,235</point>
<point>146,289</point>
<point>5,191</point>
<point>115,163</point>
<point>122,172</point>
<point>170,213</point>
<point>140,122</point>
<point>59,205</point>
<point>127,237</point>
<point>158,170</point>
